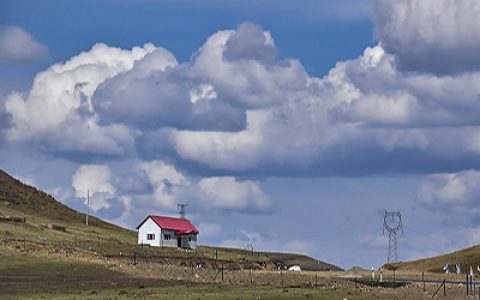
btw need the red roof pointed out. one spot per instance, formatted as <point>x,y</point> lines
<point>180,226</point>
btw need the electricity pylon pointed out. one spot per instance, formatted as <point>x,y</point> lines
<point>392,227</point>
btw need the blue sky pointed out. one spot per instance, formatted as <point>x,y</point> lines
<point>289,126</point>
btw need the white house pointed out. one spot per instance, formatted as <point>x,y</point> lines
<point>167,232</point>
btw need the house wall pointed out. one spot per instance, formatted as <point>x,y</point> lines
<point>173,242</point>
<point>149,227</point>
<point>168,243</point>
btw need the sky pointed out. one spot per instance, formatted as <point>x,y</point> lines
<point>288,125</point>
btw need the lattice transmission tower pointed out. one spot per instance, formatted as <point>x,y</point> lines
<point>392,223</point>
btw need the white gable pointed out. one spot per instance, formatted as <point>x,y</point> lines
<point>145,231</point>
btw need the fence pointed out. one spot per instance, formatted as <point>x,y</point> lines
<point>392,280</point>
<point>193,267</point>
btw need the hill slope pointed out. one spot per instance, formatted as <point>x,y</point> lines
<point>47,226</point>
<point>306,263</point>
<point>28,200</point>
<point>466,257</point>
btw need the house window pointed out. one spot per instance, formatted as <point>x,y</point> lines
<point>150,236</point>
<point>192,238</point>
<point>167,237</point>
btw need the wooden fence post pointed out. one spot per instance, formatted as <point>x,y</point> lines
<point>281,276</point>
<point>473,288</point>
<point>470,282</point>
<point>423,280</point>
<point>467,282</point>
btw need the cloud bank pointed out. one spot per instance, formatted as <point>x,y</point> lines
<point>237,109</point>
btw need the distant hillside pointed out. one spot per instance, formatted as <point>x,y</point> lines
<point>306,263</point>
<point>465,257</point>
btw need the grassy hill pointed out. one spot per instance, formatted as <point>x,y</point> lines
<point>27,200</point>
<point>465,257</point>
<point>39,221</point>
<point>33,222</point>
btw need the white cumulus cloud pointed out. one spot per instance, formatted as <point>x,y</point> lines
<point>441,36</point>
<point>229,194</point>
<point>171,187</point>
<point>456,191</point>
<point>18,46</point>
<point>57,112</point>
<point>95,180</point>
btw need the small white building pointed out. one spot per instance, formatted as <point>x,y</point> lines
<point>295,268</point>
<point>167,232</point>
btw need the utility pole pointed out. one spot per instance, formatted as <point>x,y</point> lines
<point>473,236</point>
<point>88,207</point>
<point>392,223</point>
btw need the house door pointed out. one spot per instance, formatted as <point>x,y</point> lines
<point>179,242</point>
